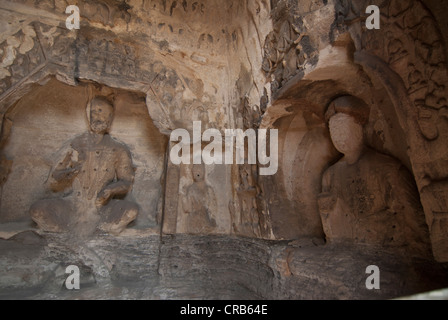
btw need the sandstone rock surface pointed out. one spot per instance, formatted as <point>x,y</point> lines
<point>225,230</point>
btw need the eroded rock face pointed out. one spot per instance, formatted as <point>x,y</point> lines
<point>205,267</point>
<point>251,64</point>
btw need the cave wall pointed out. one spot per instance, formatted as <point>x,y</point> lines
<point>235,64</point>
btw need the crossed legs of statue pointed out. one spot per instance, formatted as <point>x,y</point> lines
<point>116,215</point>
<point>52,215</point>
<point>59,215</point>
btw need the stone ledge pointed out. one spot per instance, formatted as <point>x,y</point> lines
<point>143,266</point>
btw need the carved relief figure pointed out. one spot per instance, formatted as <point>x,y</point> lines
<point>368,197</point>
<point>199,204</point>
<point>98,172</point>
<point>244,208</point>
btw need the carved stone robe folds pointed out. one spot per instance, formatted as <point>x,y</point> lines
<point>373,201</point>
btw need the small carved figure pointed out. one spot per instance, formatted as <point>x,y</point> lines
<point>247,222</point>
<point>199,204</point>
<point>368,197</point>
<point>99,172</point>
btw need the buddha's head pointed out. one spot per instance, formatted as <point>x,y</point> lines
<point>101,115</point>
<point>346,117</point>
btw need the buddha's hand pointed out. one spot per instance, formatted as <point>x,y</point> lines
<point>103,197</point>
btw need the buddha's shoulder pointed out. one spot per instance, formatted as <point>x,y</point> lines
<point>115,144</point>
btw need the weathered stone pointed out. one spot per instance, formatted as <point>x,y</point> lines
<point>98,170</point>
<point>205,267</point>
<point>236,64</point>
<point>368,197</point>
